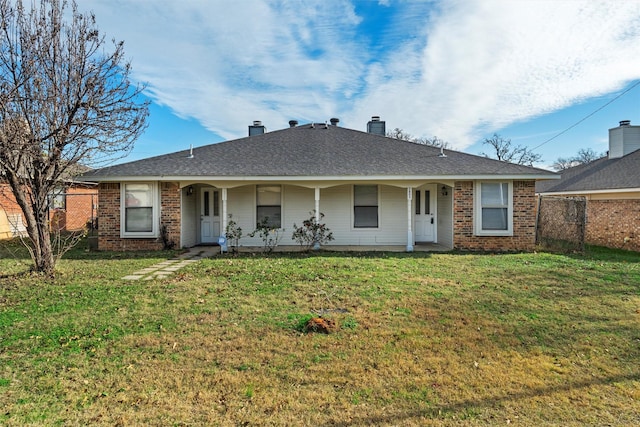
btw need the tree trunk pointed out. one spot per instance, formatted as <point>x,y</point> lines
<point>43,257</point>
<point>35,209</point>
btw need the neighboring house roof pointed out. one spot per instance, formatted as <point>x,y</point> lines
<point>600,175</point>
<point>316,150</point>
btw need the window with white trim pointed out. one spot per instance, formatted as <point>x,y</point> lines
<point>365,206</point>
<point>494,208</point>
<point>269,205</point>
<point>139,209</point>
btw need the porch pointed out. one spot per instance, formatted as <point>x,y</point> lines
<point>419,247</point>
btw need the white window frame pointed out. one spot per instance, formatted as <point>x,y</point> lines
<point>477,196</point>
<point>155,212</point>
<point>281,202</point>
<point>353,207</point>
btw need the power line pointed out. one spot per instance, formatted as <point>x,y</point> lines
<point>586,117</point>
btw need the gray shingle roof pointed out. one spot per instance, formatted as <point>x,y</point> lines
<point>602,174</point>
<point>306,151</point>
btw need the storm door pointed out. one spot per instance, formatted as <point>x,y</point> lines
<point>209,215</point>
<point>425,214</point>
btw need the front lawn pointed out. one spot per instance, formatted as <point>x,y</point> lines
<point>422,339</point>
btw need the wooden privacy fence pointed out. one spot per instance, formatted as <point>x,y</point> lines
<point>562,221</point>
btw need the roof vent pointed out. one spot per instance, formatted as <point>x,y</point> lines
<point>257,128</point>
<point>293,123</point>
<point>376,126</point>
<point>625,122</point>
<point>334,121</point>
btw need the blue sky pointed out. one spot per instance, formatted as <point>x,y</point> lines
<point>460,70</point>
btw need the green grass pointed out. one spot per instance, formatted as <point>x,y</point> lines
<point>423,339</point>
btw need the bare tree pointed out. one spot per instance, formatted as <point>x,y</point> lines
<point>65,101</point>
<point>434,141</point>
<point>584,156</point>
<point>504,151</point>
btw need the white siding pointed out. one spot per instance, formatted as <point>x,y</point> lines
<point>189,231</point>
<point>336,203</point>
<point>445,218</point>
<point>241,207</point>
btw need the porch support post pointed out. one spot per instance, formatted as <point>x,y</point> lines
<point>409,218</point>
<point>316,245</point>
<point>223,247</point>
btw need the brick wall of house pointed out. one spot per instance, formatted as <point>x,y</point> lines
<point>613,223</point>
<point>524,220</point>
<point>9,209</point>
<point>109,226</point>
<point>79,209</point>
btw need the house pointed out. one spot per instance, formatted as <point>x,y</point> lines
<point>373,191</point>
<point>72,208</point>
<point>611,188</point>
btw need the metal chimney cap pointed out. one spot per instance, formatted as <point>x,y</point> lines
<point>257,123</point>
<point>625,122</point>
<point>334,121</point>
<point>375,118</point>
<point>293,123</point>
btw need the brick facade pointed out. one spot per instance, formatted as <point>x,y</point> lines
<point>524,220</point>
<point>614,223</point>
<point>79,209</point>
<point>109,226</point>
<point>80,201</point>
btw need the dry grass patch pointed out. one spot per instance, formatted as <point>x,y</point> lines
<point>443,339</point>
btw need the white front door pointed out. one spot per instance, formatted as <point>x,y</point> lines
<point>425,214</point>
<point>209,215</point>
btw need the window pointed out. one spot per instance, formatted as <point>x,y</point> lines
<point>365,206</point>
<point>494,203</point>
<point>57,199</point>
<point>139,210</point>
<point>269,203</point>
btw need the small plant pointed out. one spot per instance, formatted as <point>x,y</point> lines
<point>167,242</point>
<point>301,321</point>
<point>233,233</point>
<point>312,233</point>
<point>269,234</point>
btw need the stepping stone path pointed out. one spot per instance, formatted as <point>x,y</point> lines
<point>166,268</point>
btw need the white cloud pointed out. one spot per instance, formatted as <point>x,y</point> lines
<point>491,63</point>
<point>457,69</point>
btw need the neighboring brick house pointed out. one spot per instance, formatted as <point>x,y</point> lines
<point>611,188</point>
<point>72,208</point>
<point>373,191</point>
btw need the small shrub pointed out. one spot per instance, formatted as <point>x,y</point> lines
<point>269,234</point>
<point>312,232</point>
<point>233,234</point>
<point>167,243</point>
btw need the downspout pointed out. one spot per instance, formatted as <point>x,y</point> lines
<point>409,220</point>
<point>223,241</point>
<point>316,244</point>
<point>537,240</point>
